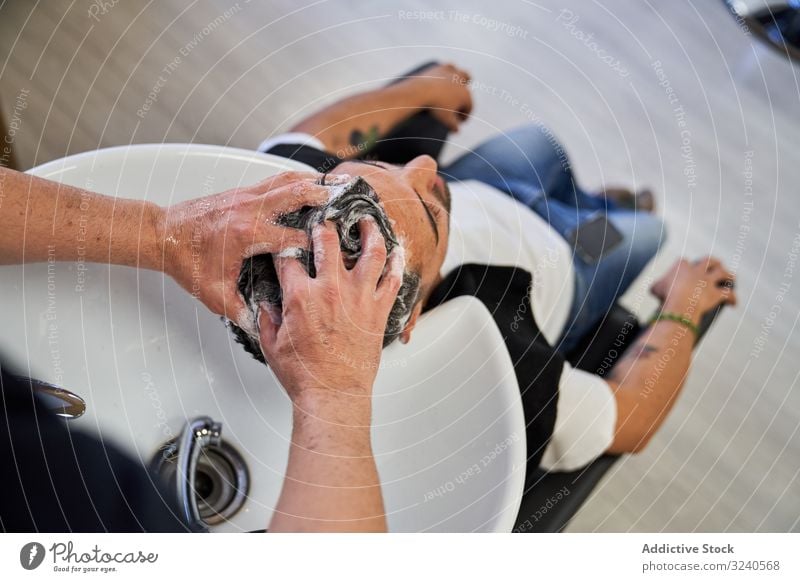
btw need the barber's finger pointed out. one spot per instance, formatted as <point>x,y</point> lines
<point>267,235</point>
<point>282,179</point>
<point>234,307</point>
<point>268,328</point>
<point>373,252</point>
<point>265,238</point>
<point>327,250</point>
<point>392,278</point>
<point>284,237</point>
<point>291,275</point>
<point>292,196</point>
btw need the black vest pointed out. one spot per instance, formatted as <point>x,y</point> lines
<point>321,161</point>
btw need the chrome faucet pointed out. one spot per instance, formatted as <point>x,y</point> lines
<point>57,400</point>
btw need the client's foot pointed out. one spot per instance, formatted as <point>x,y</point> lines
<point>641,200</point>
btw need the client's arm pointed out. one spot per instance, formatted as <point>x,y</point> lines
<point>325,351</point>
<point>649,377</point>
<point>201,243</point>
<point>350,126</point>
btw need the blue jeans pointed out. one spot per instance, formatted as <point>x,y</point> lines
<point>528,164</point>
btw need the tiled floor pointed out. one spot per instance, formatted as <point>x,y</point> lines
<point>674,95</point>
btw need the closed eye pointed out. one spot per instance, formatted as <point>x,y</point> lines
<point>435,209</point>
<point>369,163</point>
<point>430,217</point>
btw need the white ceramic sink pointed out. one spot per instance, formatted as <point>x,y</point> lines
<point>449,432</point>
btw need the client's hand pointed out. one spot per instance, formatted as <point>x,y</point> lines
<point>206,239</point>
<point>450,100</point>
<point>330,333</point>
<point>693,288</point>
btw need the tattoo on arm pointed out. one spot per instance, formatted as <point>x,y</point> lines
<point>364,141</point>
<point>637,351</point>
<point>647,349</point>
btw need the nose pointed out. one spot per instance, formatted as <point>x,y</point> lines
<point>423,170</point>
<point>425,162</point>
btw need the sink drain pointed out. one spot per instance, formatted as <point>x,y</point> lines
<point>221,483</point>
<point>220,480</point>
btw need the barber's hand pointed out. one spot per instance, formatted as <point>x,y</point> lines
<point>330,334</point>
<point>205,240</point>
<point>692,288</point>
<point>450,98</point>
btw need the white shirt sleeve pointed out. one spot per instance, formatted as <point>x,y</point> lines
<point>586,417</point>
<point>292,138</point>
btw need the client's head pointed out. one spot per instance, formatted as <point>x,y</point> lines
<point>410,205</point>
<point>417,201</point>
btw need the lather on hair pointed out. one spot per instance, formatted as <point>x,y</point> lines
<point>348,204</point>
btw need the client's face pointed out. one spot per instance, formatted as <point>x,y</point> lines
<point>417,202</point>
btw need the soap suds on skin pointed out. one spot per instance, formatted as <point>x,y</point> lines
<point>396,262</point>
<point>243,320</point>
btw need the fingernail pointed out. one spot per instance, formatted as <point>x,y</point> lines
<point>290,253</point>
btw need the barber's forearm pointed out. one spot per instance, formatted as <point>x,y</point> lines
<point>649,378</point>
<point>331,480</point>
<point>41,219</point>
<point>371,115</point>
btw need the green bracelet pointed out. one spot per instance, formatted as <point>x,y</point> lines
<point>667,316</point>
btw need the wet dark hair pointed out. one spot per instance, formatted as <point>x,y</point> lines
<point>258,279</point>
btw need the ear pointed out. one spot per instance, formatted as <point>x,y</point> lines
<point>405,335</point>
